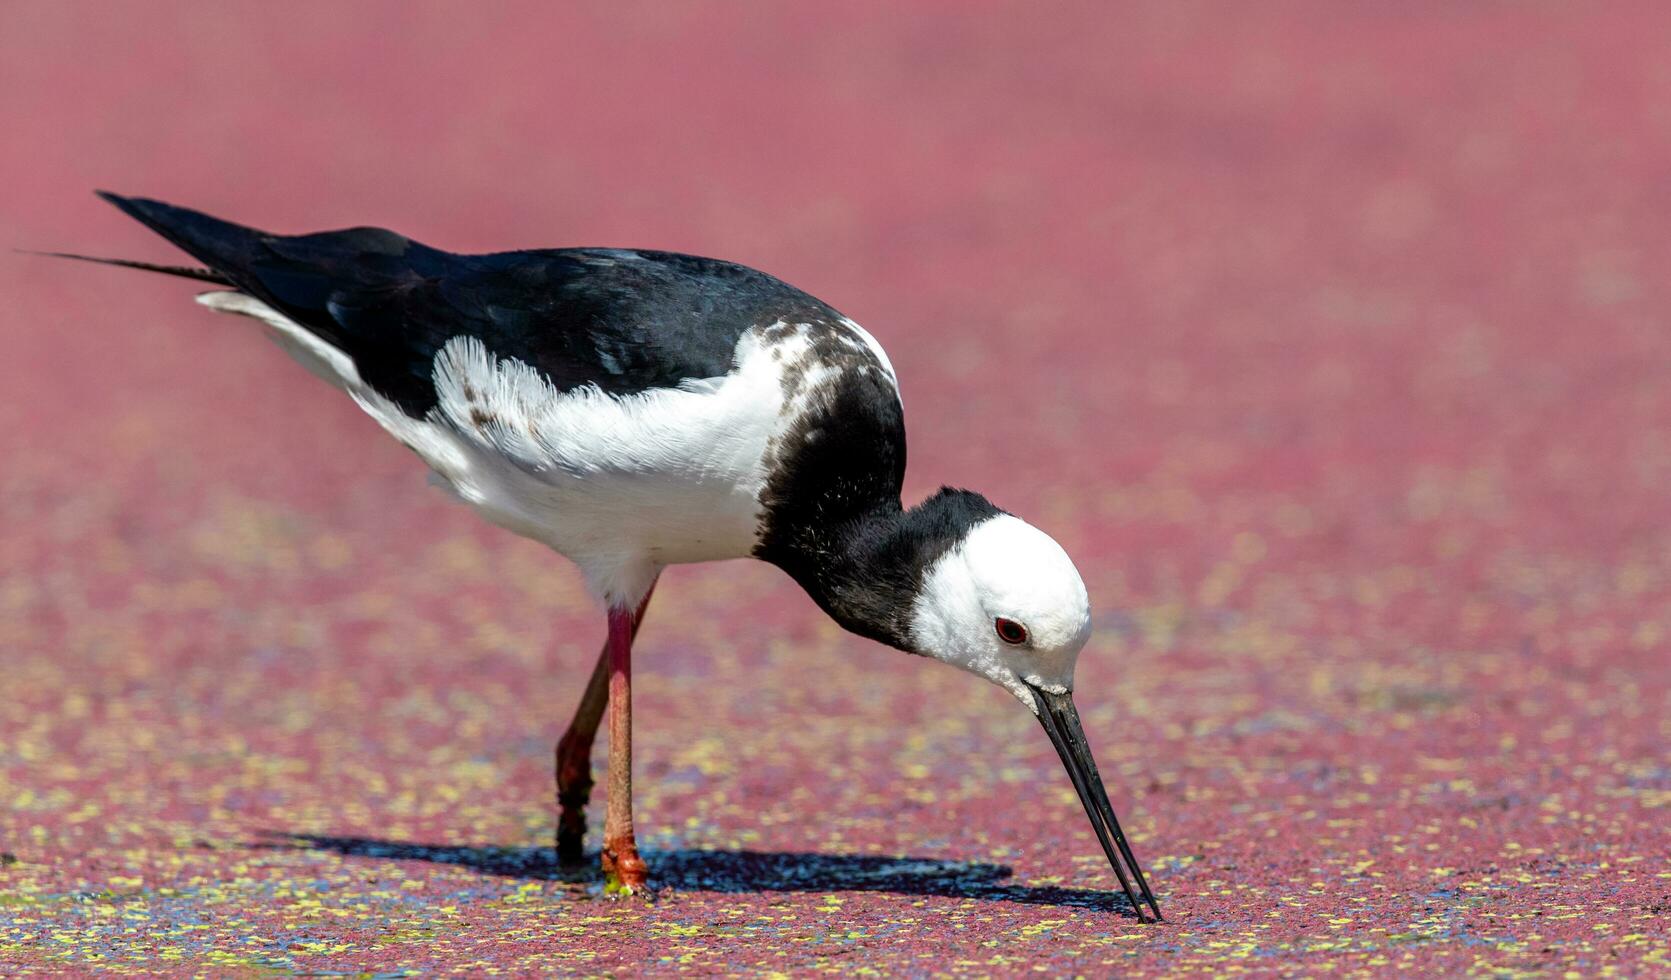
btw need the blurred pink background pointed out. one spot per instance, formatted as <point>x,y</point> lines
<point>1332,340</point>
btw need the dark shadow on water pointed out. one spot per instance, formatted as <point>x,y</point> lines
<point>734,872</point>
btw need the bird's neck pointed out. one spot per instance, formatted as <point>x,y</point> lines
<point>853,569</point>
<point>865,563</point>
<point>831,506</point>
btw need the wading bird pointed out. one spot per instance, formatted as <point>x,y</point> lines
<point>635,409</point>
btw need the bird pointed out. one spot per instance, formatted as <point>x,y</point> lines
<point>634,409</point>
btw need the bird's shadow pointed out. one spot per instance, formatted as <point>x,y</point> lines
<point>733,871</point>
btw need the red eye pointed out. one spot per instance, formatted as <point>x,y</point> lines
<point>1011,631</point>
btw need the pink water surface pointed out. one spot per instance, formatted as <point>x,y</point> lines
<point>1334,341</point>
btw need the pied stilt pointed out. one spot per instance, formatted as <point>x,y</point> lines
<point>635,409</point>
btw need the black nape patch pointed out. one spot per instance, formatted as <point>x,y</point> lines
<point>951,513</point>
<point>867,572</point>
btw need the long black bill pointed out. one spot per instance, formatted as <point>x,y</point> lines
<point>1061,722</point>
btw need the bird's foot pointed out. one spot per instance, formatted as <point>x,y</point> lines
<point>571,839</point>
<point>625,873</point>
<point>574,791</point>
<point>571,828</point>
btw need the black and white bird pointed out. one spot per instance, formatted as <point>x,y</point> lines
<point>635,409</point>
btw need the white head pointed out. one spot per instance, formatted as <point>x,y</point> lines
<point>988,592</point>
<point>1006,603</point>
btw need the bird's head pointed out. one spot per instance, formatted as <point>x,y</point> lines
<point>1004,601</point>
<point>957,579</point>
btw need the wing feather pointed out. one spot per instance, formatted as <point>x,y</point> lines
<point>622,320</point>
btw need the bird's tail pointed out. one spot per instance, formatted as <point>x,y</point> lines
<point>183,271</point>
<point>226,248</point>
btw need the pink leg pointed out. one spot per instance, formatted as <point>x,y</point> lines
<point>622,867</point>
<point>574,751</point>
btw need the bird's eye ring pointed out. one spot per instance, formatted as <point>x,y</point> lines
<point>1010,631</point>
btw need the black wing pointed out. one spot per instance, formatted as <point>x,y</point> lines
<point>623,320</point>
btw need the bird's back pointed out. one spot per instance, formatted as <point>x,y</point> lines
<point>624,320</point>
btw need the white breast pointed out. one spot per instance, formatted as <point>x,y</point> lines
<point>621,484</point>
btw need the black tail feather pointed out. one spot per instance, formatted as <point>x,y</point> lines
<point>184,272</point>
